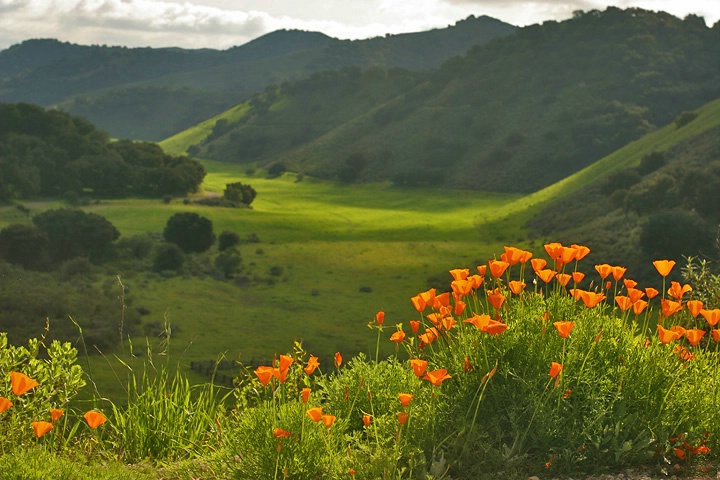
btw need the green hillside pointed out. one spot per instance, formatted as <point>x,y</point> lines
<point>517,114</point>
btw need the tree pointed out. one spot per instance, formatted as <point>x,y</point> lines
<point>228,262</point>
<point>190,232</point>
<point>168,257</point>
<point>74,233</point>
<point>227,240</point>
<point>238,192</point>
<point>25,245</point>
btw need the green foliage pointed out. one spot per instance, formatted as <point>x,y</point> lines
<point>684,118</point>
<point>189,231</point>
<point>240,193</point>
<point>168,257</point>
<point>228,262</point>
<point>674,232</point>
<point>226,240</point>
<point>25,245</point>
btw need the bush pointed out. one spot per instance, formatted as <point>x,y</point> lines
<point>227,240</point>
<point>190,232</point>
<point>168,257</point>
<point>228,262</point>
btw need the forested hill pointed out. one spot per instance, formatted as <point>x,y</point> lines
<point>149,94</point>
<point>515,115</point>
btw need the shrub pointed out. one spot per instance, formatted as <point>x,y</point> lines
<point>168,257</point>
<point>190,232</point>
<point>227,240</point>
<point>228,262</point>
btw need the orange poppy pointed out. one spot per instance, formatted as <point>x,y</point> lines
<point>591,299</point>
<point>312,365</point>
<point>563,278</point>
<point>55,414</point>
<point>554,250</point>
<point>604,270</point>
<point>414,325</point>
<point>639,306</point>
<point>328,420</point>
<point>285,362</point>
<point>577,293</point>
<point>496,298</point>
<point>623,302</point>
<point>442,300</point>
<point>41,428</point>
<point>94,418</point>
<point>428,337</point>
<point>515,255</point>
<point>21,383</point>
<point>418,303</point>
<point>460,273</point>
<point>667,335</point>
<point>516,286</point>
<point>480,321</point>
<point>694,335</point>
<point>694,307</point>
<point>664,267</point>
<point>635,294</point>
<point>4,404</point>
<point>436,377</point>
<point>669,307</point>
<point>618,272</point>
<point>402,417</point>
<point>461,287</point>
<point>264,374</point>
<point>476,281</point>
<point>482,269</point>
<point>578,277</point>
<point>305,394</point>
<point>567,254</point>
<point>538,264</point>
<point>367,419</point>
<point>677,291</point>
<point>459,307</point>
<point>680,330</point>
<point>280,433</point>
<point>315,414</point>
<point>418,366</point>
<point>545,275</point>
<point>564,328</point>
<point>712,317</point>
<point>495,328</point>
<point>497,267</point>
<point>651,292</point>
<point>581,251</point>
<point>405,398</point>
<point>280,374</point>
<point>447,322</point>
<point>380,317</point>
<point>397,337</point>
<point>555,369</point>
<point>679,453</point>
<point>338,359</point>
<point>629,283</point>
<point>716,335</point>
<point>683,353</point>
<point>567,394</point>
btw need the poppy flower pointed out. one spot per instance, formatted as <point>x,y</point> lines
<point>564,328</point>
<point>367,419</point>
<point>460,273</point>
<point>667,335</point>
<point>4,404</point>
<point>651,292</point>
<point>428,337</point>
<point>480,321</point>
<point>639,306</point>
<point>461,287</point>
<point>567,394</point>
<point>683,353</point>
<point>338,359</point>
<point>515,255</point>
<point>94,418</point>
<point>495,328</point>
<point>581,251</point>
<point>482,270</point>
<point>418,303</point>
<point>694,307</point>
<point>315,414</point>
<point>618,272</point>
<point>712,317</point>
<point>55,414</point>
<point>442,300</point>
<point>285,362</point>
<point>21,383</point>
<point>41,428</point>
<point>398,337</point>
<point>414,325</point>
<point>405,398</point>
<point>538,264</point>
<point>280,374</point>
<point>680,330</point>
<point>694,335</point>
<point>635,294</point>
<point>476,281</point>
<point>578,277</point>
<point>555,369</point>
<point>436,377</point>
<point>402,417</point>
<point>604,270</point>
<point>591,299</point>
<point>328,420</point>
<point>677,291</point>
<point>577,293</point>
<point>623,302</point>
<point>629,283</point>
<point>563,278</point>
<point>497,267</point>
<point>459,307</point>
<point>280,433</point>
<point>312,364</point>
<point>516,286</point>
<point>669,307</point>
<point>419,366</point>
<point>679,453</point>
<point>554,250</point>
<point>447,323</point>
<point>664,267</point>
<point>546,275</point>
<point>305,394</point>
<point>380,317</point>
<point>496,298</point>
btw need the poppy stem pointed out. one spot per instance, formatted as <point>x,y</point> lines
<point>377,346</point>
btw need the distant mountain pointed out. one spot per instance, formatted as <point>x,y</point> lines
<point>514,115</point>
<point>147,93</point>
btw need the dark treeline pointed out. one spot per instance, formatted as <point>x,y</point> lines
<point>51,153</point>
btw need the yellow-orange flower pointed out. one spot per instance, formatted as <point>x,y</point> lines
<point>436,377</point>
<point>545,275</point>
<point>635,294</point>
<point>495,328</point>
<point>402,417</point>
<point>338,360</point>
<point>21,383</point>
<point>460,273</point>
<point>94,418</point>
<point>677,291</point>
<point>305,394</point>
<point>4,404</point>
<point>578,277</point>
<point>554,250</point>
<point>664,266</point>
<point>694,307</point>
<point>418,303</point>
<point>669,307</point>
<point>555,369</point>
<point>667,335</point>
<point>41,428</point>
<point>461,287</point>
<point>285,362</point>
<point>623,302</point>
<point>629,283</point>
<point>482,269</point>
<point>651,292</point>
<point>538,264</point>
<point>55,414</point>
<point>683,353</point>
<point>694,335</point>
<point>405,398</point>
<point>618,272</point>
<point>459,307</point>
<point>496,298</point>
<point>516,286</point>
<point>591,299</point>
<point>480,321</point>
<point>315,414</point>
<point>604,270</point>
<point>563,278</point>
<point>328,420</point>
<point>419,366</point>
<point>312,365</point>
<point>712,317</point>
<point>280,433</point>
<point>398,336</point>
<point>564,328</point>
<point>716,335</point>
<point>380,317</point>
<point>581,251</point>
<point>639,306</point>
<point>515,255</point>
<point>414,325</point>
<point>497,267</point>
<point>367,419</point>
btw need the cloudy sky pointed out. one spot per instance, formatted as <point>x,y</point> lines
<point>224,23</point>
